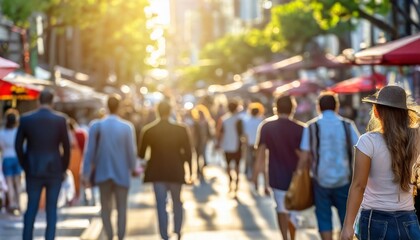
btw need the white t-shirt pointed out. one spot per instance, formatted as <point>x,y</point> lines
<point>230,142</point>
<point>250,128</point>
<point>381,192</point>
<point>7,142</point>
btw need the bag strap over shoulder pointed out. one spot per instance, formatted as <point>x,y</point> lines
<point>349,147</point>
<point>98,137</point>
<point>314,143</point>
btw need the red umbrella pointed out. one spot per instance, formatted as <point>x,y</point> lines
<point>404,51</point>
<point>360,84</point>
<point>7,66</point>
<point>298,88</point>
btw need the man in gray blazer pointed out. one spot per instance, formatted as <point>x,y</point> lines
<point>111,151</point>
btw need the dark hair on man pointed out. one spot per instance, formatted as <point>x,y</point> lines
<point>164,109</point>
<point>255,111</point>
<point>113,103</point>
<point>285,104</point>
<point>12,118</point>
<point>232,106</point>
<point>327,100</point>
<point>46,96</point>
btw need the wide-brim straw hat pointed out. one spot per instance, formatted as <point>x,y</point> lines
<point>391,96</point>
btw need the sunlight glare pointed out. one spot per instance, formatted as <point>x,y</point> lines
<point>161,8</point>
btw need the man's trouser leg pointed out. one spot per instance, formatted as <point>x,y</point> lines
<point>52,192</point>
<point>33,190</point>
<point>121,194</point>
<point>175,189</point>
<point>106,190</point>
<point>161,194</point>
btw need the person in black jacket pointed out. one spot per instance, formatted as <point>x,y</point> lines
<point>44,132</point>
<point>169,149</point>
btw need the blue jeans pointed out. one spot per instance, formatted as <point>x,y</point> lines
<point>161,194</point>
<point>325,198</point>
<point>381,225</point>
<point>11,167</point>
<point>34,188</point>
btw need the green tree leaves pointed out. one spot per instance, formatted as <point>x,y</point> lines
<point>114,33</point>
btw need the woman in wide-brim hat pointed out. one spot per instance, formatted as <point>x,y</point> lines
<point>384,157</point>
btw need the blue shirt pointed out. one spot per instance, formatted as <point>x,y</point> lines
<point>332,145</point>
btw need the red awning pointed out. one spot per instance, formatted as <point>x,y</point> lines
<point>7,66</point>
<point>404,51</point>
<point>10,91</point>
<point>360,84</point>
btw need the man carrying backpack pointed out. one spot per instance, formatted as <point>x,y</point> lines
<point>327,145</point>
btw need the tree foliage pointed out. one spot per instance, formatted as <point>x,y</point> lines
<point>292,26</point>
<point>115,34</point>
<point>229,55</point>
<point>19,11</point>
<point>329,13</point>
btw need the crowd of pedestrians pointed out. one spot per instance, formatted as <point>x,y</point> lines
<point>367,178</point>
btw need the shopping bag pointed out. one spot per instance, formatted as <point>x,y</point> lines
<point>299,196</point>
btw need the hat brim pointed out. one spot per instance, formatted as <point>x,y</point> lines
<point>373,100</point>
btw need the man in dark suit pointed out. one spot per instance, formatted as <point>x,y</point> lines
<point>169,149</point>
<point>44,160</point>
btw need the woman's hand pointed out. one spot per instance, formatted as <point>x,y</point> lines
<point>347,233</point>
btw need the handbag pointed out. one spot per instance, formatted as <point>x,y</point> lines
<point>299,196</point>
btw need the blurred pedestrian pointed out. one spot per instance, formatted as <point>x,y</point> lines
<point>80,137</point>
<point>75,159</point>
<point>169,148</point>
<point>384,159</point>
<point>327,143</point>
<point>43,149</point>
<point>111,151</point>
<point>228,137</point>
<point>202,130</point>
<point>251,123</point>
<point>11,167</point>
<point>281,136</point>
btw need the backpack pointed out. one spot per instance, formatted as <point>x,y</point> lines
<point>335,175</point>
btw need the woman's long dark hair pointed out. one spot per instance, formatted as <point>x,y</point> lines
<point>400,130</point>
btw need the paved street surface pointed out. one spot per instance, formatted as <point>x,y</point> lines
<point>211,213</point>
<point>72,222</point>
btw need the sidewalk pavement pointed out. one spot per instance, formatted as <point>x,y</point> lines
<point>210,213</point>
<point>72,223</point>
